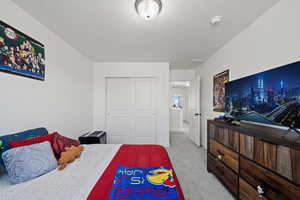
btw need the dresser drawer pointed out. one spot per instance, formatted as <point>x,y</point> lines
<point>226,175</point>
<point>273,186</point>
<point>227,137</point>
<point>247,192</point>
<point>224,154</point>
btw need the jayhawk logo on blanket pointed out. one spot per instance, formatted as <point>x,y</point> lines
<point>161,177</point>
<point>156,183</point>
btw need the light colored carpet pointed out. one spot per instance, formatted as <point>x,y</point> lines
<point>189,162</point>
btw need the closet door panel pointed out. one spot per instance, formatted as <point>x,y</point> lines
<point>144,111</point>
<point>118,109</point>
<point>130,110</point>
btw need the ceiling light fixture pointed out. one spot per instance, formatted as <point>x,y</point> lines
<point>148,9</point>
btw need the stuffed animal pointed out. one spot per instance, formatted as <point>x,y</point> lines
<point>69,155</point>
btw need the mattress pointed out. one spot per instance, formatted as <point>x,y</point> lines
<point>90,176</point>
<point>73,183</point>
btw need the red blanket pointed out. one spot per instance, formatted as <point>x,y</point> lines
<point>132,156</point>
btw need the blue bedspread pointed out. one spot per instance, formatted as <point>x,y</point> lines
<point>144,183</point>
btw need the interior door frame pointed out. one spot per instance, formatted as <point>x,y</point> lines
<point>198,106</point>
<point>129,76</point>
<point>195,107</point>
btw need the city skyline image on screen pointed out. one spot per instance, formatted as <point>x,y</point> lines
<point>270,97</point>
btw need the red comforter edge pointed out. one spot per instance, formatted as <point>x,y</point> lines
<point>132,156</point>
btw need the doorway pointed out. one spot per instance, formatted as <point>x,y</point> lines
<point>178,106</point>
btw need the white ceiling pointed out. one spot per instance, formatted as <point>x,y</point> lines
<point>111,31</point>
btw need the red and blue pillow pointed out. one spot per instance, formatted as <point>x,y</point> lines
<point>19,150</point>
<point>26,142</point>
<point>34,136</point>
<point>57,141</point>
<point>6,139</point>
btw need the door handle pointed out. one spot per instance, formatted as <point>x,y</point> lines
<point>197,114</point>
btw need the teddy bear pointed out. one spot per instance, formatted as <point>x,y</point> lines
<point>69,155</point>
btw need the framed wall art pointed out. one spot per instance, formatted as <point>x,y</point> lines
<point>219,91</point>
<point>21,54</point>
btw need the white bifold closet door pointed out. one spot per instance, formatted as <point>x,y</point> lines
<point>130,110</point>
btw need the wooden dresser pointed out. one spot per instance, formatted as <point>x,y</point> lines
<point>254,162</point>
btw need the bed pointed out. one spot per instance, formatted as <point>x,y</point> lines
<point>89,177</point>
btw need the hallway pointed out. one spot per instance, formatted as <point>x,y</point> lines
<point>190,165</point>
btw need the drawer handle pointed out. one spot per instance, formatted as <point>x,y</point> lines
<point>260,190</point>
<point>220,156</point>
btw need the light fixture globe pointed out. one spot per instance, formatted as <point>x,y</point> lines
<point>148,9</point>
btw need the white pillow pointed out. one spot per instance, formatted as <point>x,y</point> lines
<point>28,162</point>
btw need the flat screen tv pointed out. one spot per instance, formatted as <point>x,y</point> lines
<point>270,97</point>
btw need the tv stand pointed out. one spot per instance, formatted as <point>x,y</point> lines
<point>254,161</point>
